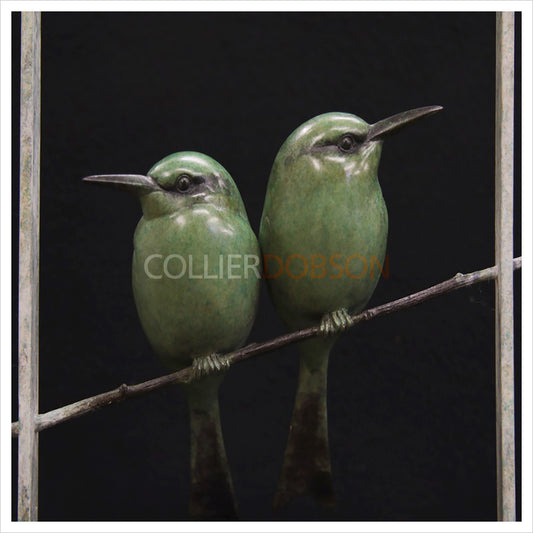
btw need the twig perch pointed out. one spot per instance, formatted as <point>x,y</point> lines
<point>74,410</point>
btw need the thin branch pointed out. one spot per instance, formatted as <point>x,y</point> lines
<point>123,392</point>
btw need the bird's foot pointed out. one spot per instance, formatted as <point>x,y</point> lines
<point>335,322</point>
<point>209,364</point>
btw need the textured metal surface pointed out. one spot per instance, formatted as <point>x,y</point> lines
<point>505,440</point>
<point>323,203</point>
<point>191,205</point>
<point>29,260</point>
<point>105,399</point>
<point>29,265</point>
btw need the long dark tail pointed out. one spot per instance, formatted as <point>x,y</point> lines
<point>306,465</point>
<point>211,496</point>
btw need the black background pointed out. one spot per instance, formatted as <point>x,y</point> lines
<point>411,395</point>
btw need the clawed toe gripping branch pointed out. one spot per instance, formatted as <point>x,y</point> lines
<point>203,366</point>
<point>88,405</point>
<point>336,322</point>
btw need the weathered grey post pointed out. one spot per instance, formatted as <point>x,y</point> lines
<point>28,364</point>
<point>505,443</point>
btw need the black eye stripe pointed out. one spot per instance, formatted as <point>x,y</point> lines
<point>187,183</point>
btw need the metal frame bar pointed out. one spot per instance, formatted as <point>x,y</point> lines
<point>505,440</point>
<point>29,266</point>
<point>28,302</point>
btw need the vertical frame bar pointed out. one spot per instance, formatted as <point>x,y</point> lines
<point>28,308</point>
<point>505,440</point>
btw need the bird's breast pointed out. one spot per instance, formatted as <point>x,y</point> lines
<point>195,282</point>
<point>324,237</point>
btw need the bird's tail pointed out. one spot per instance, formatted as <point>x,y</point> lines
<point>306,465</point>
<point>211,496</point>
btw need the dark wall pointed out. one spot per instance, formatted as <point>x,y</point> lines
<point>411,395</point>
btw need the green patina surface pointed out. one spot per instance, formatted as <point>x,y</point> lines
<point>190,302</point>
<point>324,225</point>
<point>325,203</point>
<point>202,312</point>
<point>193,307</point>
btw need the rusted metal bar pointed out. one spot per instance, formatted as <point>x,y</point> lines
<point>505,439</point>
<point>28,302</point>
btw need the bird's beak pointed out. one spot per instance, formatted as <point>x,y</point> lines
<point>127,182</point>
<point>390,125</point>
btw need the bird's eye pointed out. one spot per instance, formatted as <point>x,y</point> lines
<point>183,183</point>
<point>347,142</point>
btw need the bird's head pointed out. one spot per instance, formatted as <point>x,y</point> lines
<point>179,181</point>
<point>345,141</point>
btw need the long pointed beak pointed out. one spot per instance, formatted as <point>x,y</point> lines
<point>390,125</point>
<point>127,182</point>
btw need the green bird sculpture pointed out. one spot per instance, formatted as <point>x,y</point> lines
<point>324,226</point>
<point>196,277</point>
